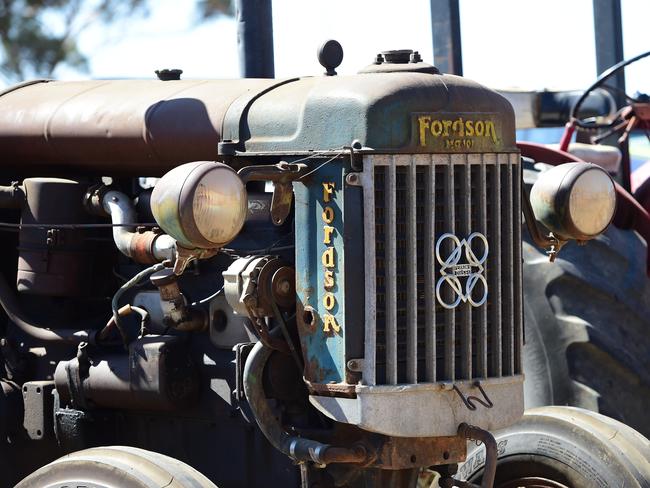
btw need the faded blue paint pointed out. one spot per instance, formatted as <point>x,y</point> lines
<point>324,352</point>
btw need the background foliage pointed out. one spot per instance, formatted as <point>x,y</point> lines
<point>36,36</point>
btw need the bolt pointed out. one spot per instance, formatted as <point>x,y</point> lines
<point>352,179</point>
<point>284,287</point>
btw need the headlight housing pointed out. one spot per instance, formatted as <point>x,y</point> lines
<point>574,200</point>
<point>201,204</point>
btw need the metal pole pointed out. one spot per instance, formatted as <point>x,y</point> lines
<point>255,38</point>
<point>445,29</point>
<point>608,31</point>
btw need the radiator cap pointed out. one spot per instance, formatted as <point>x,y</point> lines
<point>399,61</point>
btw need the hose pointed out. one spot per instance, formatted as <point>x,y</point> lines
<point>126,287</point>
<point>297,448</point>
<point>13,309</point>
<point>142,247</point>
<point>491,453</point>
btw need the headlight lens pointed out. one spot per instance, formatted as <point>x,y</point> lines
<point>201,204</point>
<point>574,200</point>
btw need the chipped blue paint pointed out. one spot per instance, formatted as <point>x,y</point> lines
<point>324,352</point>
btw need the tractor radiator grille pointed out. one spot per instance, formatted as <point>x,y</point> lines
<point>411,202</point>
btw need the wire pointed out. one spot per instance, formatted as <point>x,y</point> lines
<point>124,288</point>
<point>208,298</point>
<point>9,225</point>
<point>321,165</point>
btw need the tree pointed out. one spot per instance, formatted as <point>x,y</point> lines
<point>38,35</point>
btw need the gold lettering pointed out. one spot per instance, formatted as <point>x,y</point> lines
<point>328,282</point>
<point>328,191</point>
<point>329,323</point>
<point>327,238</point>
<point>458,128</point>
<point>328,257</point>
<point>447,125</point>
<point>490,131</point>
<point>479,128</point>
<point>436,128</point>
<point>469,127</point>
<point>328,215</point>
<point>329,300</point>
<point>424,122</point>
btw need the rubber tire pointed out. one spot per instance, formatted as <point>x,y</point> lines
<point>587,340</point>
<point>116,467</point>
<point>572,446</point>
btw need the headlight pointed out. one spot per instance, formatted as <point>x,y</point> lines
<point>574,200</point>
<point>201,204</point>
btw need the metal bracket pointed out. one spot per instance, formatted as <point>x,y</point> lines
<point>282,175</point>
<point>39,409</point>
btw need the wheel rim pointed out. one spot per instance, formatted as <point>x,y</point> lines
<point>532,482</point>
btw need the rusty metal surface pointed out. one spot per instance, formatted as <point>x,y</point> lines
<point>405,452</point>
<point>102,126</point>
<point>142,247</point>
<point>342,390</point>
<point>148,127</point>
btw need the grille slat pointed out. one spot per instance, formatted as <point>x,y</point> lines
<point>412,277</point>
<point>391,276</point>
<point>496,268</point>
<point>517,266</point>
<point>417,199</point>
<point>429,281</point>
<point>466,228</point>
<point>508,284</point>
<point>450,315</point>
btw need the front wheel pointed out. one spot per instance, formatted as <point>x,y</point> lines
<point>565,447</point>
<point>116,467</point>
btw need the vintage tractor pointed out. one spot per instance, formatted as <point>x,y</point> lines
<point>324,287</point>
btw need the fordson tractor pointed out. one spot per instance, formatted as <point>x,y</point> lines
<point>321,287</point>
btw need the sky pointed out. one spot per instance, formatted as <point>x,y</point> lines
<point>506,43</point>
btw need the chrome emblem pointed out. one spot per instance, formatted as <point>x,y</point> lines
<point>451,270</point>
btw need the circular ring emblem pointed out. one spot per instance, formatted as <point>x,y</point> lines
<point>452,270</point>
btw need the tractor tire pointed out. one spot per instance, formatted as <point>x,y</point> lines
<point>587,326</point>
<point>116,467</point>
<point>565,447</point>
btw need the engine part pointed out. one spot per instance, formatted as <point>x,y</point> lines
<point>258,286</point>
<point>54,261</point>
<point>297,448</point>
<point>39,409</point>
<point>117,467</point>
<point>156,374</point>
<point>227,328</point>
<point>201,204</point>
<point>145,247</point>
<point>11,408</point>
<point>16,314</point>
<point>12,196</point>
<point>176,311</point>
<point>253,283</point>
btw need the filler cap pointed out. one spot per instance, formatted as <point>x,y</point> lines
<point>400,60</point>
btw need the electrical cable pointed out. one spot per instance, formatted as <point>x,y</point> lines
<point>124,288</point>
